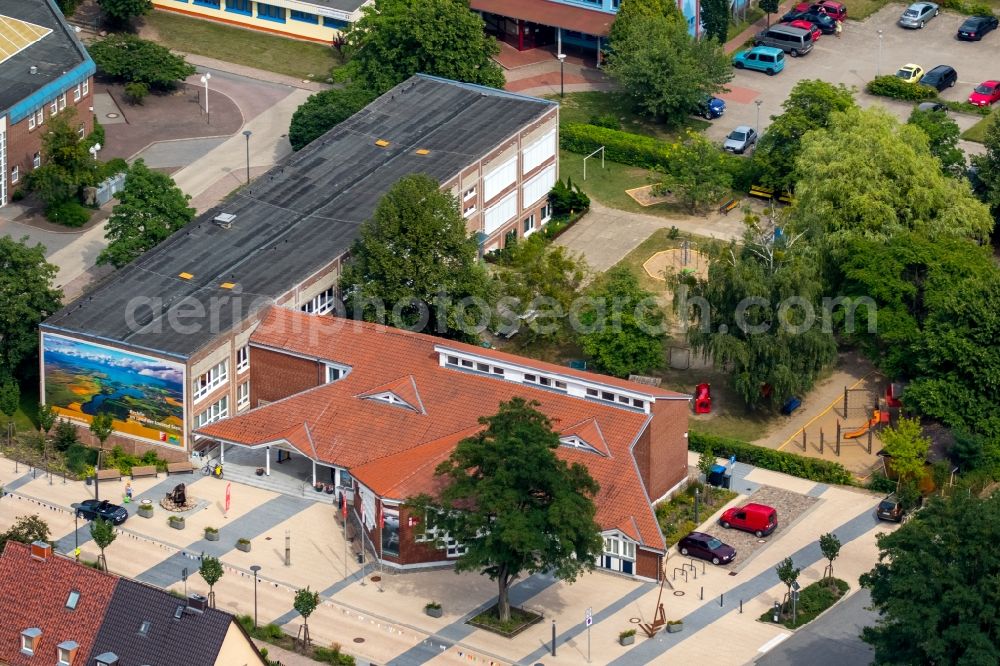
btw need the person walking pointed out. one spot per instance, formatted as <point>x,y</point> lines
<point>838,28</point>
<point>128,492</point>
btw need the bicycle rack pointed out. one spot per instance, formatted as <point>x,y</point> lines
<point>683,571</point>
<point>694,570</point>
<point>693,562</point>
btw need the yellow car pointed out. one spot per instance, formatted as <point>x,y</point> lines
<point>910,73</point>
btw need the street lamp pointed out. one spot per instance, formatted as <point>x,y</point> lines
<point>878,64</point>
<point>97,478</point>
<point>758,103</point>
<point>76,535</point>
<point>247,134</point>
<point>255,569</point>
<point>562,85</point>
<point>94,149</point>
<point>206,77</point>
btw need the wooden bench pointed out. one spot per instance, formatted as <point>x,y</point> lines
<point>728,206</point>
<point>180,468</point>
<point>761,192</point>
<point>144,470</point>
<point>786,198</point>
<point>107,474</point>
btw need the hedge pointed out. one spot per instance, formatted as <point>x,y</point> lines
<point>896,88</point>
<point>622,147</point>
<point>821,471</point>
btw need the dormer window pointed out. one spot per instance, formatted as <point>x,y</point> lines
<point>66,651</point>
<point>73,599</point>
<point>575,442</point>
<point>335,372</point>
<point>392,399</point>
<point>29,640</point>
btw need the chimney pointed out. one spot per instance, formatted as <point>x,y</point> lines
<point>40,550</point>
<point>197,602</point>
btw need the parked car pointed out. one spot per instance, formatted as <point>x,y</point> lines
<point>910,73</point>
<point>706,547</point>
<point>711,107</point>
<point>986,93</point>
<point>740,140</point>
<point>974,27</point>
<point>761,58</point>
<point>826,24</point>
<point>940,77</point>
<point>835,10</point>
<point>806,25</point>
<point>92,509</point>
<point>918,14</point>
<point>757,518</point>
<point>890,509</point>
<point>793,41</point>
<point>931,106</point>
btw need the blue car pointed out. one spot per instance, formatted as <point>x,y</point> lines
<point>766,59</point>
<point>710,107</point>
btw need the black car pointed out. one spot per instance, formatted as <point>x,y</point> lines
<point>826,24</point>
<point>976,26</point>
<point>707,547</point>
<point>940,77</point>
<point>103,509</point>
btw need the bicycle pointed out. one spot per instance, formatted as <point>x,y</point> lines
<point>212,468</point>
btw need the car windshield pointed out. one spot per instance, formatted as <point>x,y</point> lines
<point>737,136</point>
<point>911,13</point>
<point>984,89</point>
<point>904,73</point>
<point>713,543</point>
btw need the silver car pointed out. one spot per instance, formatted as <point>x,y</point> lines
<point>918,14</point>
<point>740,140</point>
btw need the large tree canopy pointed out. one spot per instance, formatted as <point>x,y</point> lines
<point>395,39</point>
<point>935,586</point>
<point>325,110</point>
<point>130,59</point>
<point>415,259</point>
<point>513,504</point>
<point>26,299</point>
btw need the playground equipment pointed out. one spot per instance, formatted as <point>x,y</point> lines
<point>892,394</point>
<point>878,416</point>
<point>703,399</point>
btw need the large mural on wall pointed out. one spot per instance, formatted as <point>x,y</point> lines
<point>143,394</point>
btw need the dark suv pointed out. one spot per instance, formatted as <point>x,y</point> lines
<point>826,24</point>
<point>940,77</point>
<point>92,509</point>
<point>707,547</point>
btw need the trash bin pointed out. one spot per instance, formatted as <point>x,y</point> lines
<point>717,476</point>
<point>727,480</point>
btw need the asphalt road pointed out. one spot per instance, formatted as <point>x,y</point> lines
<point>832,640</point>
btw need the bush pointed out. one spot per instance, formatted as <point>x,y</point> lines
<point>124,462</point>
<point>567,199</point>
<point>267,632</point>
<point>333,655</point>
<point>67,213</point>
<point>79,458</point>
<point>821,471</point>
<point>976,9</point>
<point>64,436</point>
<point>17,194</point>
<point>965,107</point>
<point>135,92</point>
<point>895,88</point>
<point>622,147</point>
<point>607,120</point>
<point>880,483</point>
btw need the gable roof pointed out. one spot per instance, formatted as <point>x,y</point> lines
<point>589,432</point>
<point>33,593</point>
<point>403,389</point>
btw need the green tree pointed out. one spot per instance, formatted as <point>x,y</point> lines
<point>26,529</point>
<point>395,39</point>
<point>211,571</point>
<point>67,165</point>
<point>65,435</point>
<point>788,574</point>
<point>698,175</point>
<point>26,299</point>
<point>415,259</point>
<point>934,586</point>
<point>121,12</point>
<point>325,110</point>
<point>513,504</point>
<point>103,533</point>
<point>305,603</point>
<point>663,69</point>
<point>10,396</point>
<point>102,425</point>
<point>809,106</point>
<point>829,545</point>
<point>769,7</point>
<point>942,134</point>
<point>715,19</point>
<point>869,176</point>
<point>761,315</point>
<point>706,461</point>
<point>46,418</point>
<point>906,445</point>
<point>538,275</point>
<point>129,59</point>
<point>622,328</point>
<point>150,208</point>
<point>988,166</point>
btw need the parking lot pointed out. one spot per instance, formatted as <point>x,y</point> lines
<point>856,58</point>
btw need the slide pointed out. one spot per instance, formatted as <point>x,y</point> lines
<point>872,422</point>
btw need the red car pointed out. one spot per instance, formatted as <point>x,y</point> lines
<point>806,25</point>
<point>985,93</point>
<point>835,10</point>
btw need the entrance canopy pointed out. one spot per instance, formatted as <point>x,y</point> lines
<point>576,19</point>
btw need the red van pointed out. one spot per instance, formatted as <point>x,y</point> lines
<point>757,518</point>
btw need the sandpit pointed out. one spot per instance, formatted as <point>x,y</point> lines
<point>676,261</point>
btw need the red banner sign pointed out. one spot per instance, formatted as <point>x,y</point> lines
<point>228,488</point>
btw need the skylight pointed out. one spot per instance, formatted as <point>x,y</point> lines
<point>72,599</point>
<point>144,627</point>
<point>179,612</point>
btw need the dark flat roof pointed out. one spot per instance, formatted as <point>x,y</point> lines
<point>297,217</point>
<point>53,56</point>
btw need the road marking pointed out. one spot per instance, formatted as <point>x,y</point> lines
<point>825,411</point>
<point>771,644</point>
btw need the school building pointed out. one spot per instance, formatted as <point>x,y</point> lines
<point>312,20</point>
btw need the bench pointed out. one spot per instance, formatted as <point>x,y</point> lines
<point>790,406</point>
<point>107,474</point>
<point>180,468</point>
<point>786,198</point>
<point>728,206</point>
<point>144,470</point>
<point>761,192</point>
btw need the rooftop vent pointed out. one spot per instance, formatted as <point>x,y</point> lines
<point>33,69</point>
<point>224,220</point>
<point>41,551</point>
<point>381,143</point>
<point>423,151</point>
<point>185,276</point>
<point>227,285</point>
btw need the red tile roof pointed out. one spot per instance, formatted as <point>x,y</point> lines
<point>554,14</point>
<point>33,593</point>
<point>394,450</point>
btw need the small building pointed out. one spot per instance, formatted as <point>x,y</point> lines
<point>369,411</point>
<point>162,343</point>
<point>54,610</point>
<point>44,69</point>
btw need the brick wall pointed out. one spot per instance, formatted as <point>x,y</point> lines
<point>667,447</point>
<point>274,375</point>
<point>131,446</point>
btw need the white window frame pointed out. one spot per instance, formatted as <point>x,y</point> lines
<point>211,380</point>
<point>469,193</point>
<point>62,101</point>
<point>528,225</point>
<point>15,174</point>
<point>470,210</point>
<point>36,161</point>
<point>452,548</point>
<point>499,214</point>
<point>81,132</point>
<point>242,359</point>
<point>500,179</point>
<point>243,395</point>
<point>27,644</point>
<point>538,188</point>
<point>65,657</point>
<point>546,212</point>
<point>77,93</point>
<point>214,412</point>
<point>321,303</point>
<point>334,372</point>
<point>538,151</point>
<point>86,87</point>
<point>619,546</point>
<point>31,121</point>
<point>54,107</point>
<point>40,116</point>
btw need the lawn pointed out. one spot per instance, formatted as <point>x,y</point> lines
<point>303,60</point>
<point>581,107</point>
<point>813,600</point>
<point>977,132</point>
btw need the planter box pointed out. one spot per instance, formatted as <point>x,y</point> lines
<point>211,536</point>
<point>434,612</point>
<point>245,547</point>
<point>674,628</point>
<point>176,524</point>
<point>146,511</point>
<point>627,640</point>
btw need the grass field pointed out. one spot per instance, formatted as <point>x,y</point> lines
<point>581,107</point>
<point>977,132</point>
<point>281,55</point>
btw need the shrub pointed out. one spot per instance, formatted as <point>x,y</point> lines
<point>79,458</point>
<point>96,136</point>
<point>135,92</point>
<point>623,147</point>
<point>242,541</point>
<point>267,632</point>
<point>211,530</point>
<point>433,605</point>
<point>175,519</point>
<point>567,199</point>
<point>821,471</point>
<point>64,436</point>
<point>67,213</point>
<point>333,655</point>
<point>626,633</point>
<point>17,194</point>
<point>607,120</point>
<point>976,9</point>
<point>880,483</point>
<point>124,462</point>
<point>895,88</point>
<point>965,107</point>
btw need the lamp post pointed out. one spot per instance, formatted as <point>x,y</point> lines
<point>97,478</point>
<point>878,64</point>
<point>696,494</point>
<point>76,535</point>
<point>255,569</point>
<point>205,78</point>
<point>757,128</point>
<point>553,637</point>
<point>562,85</point>
<point>247,134</point>
<point>94,149</point>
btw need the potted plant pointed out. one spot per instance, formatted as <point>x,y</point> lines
<point>88,474</point>
<point>433,609</point>
<point>318,487</point>
<point>243,544</point>
<point>674,626</point>
<point>211,534</point>
<point>146,508</point>
<point>176,522</point>
<point>627,637</point>
<point>260,471</point>
<point>330,489</point>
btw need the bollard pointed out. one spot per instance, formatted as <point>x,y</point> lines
<point>845,404</point>
<point>821,441</point>
<point>701,596</point>
<point>720,600</point>
<point>837,449</point>
<point>869,441</point>
<point>777,611</point>
<point>741,607</point>
<point>803,439</point>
